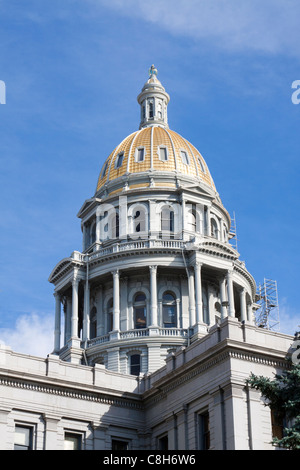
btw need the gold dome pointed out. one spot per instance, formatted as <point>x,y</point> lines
<point>154,155</point>
<point>151,150</point>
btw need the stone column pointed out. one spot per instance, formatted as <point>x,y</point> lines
<point>223,298</point>
<point>179,317</point>
<point>116,301</point>
<point>153,293</point>
<point>192,310</point>
<point>207,221</point>
<point>249,312</point>
<point>183,211</point>
<point>86,313</point>
<point>68,319</point>
<point>57,322</point>
<point>198,288</point>
<point>231,311</point>
<point>243,304</point>
<point>74,319</point>
<point>98,227</point>
<point>100,312</point>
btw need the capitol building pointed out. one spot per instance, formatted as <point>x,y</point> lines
<point>154,322</point>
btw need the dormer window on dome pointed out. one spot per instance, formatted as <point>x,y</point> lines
<point>184,157</point>
<point>119,160</point>
<point>140,153</point>
<point>163,153</point>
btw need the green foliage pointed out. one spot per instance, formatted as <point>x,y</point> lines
<point>283,397</point>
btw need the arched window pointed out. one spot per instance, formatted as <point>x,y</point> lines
<point>167,220</point>
<point>135,364</point>
<point>213,228</point>
<point>151,111</point>
<point>192,220</point>
<point>169,310</point>
<point>93,323</point>
<point>139,221</point>
<point>139,311</point>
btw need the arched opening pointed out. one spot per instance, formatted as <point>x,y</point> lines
<point>192,221</point>
<point>139,221</point>
<point>139,311</point>
<point>214,228</point>
<point>169,316</point>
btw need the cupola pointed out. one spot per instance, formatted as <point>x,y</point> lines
<point>153,100</point>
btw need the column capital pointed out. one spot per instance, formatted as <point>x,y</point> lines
<point>57,295</point>
<point>198,264</point>
<point>153,268</point>
<point>115,273</point>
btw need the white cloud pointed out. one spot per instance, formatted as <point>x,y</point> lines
<point>268,26</point>
<point>32,334</point>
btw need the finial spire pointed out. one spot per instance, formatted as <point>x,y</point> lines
<point>153,100</point>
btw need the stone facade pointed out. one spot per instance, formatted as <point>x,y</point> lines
<point>206,380</point>
<point>155,331</point>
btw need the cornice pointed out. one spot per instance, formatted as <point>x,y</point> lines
<point>63,391</point>
<point>222,352</point>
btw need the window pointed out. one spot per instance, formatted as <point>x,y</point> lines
<point>277,424</point>
<point>163,154</point>
<point>135,364</point>
<point>151,113</point>
<point>115,226</point>
<point>93,234</point>
<point>140,154</point>
<point>119,160</point>
<point>139,222</point>
<point>72,441</point>
<point>213,228</point>
<point>23,437</point>
<point>184,157</point>
<point>192,220</point>
<point>163,443</point>
<point>204,432</point>
<point>104,170</point>
<point>201,165</point>
<point>139,311</point>
<point>119,445</point>
<point>169,310</point>
<point>167,220</point>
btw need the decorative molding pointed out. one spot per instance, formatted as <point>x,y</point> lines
<point>70,393</point>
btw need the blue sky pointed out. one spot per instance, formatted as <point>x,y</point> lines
<point>73,70</point>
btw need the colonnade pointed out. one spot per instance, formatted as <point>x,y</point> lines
<point>196,312</point>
